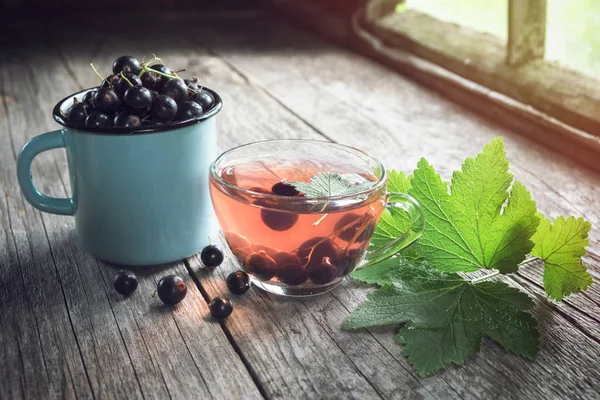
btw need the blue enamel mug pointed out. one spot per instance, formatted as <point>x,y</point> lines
<point>139,195</point>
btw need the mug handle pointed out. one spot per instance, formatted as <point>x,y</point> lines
<point>417,225</point>
<point>35,146</point>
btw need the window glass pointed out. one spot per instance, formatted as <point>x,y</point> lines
<point>489,16</point>
<point>572,36</point>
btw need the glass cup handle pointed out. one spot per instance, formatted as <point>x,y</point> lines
<point>417,225</point>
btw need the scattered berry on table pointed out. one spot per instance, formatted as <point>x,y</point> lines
<point>125,282</point>
<point>171,289</point>
<point>211,256</point>
<point>220,307</point>
<point>238,282</point>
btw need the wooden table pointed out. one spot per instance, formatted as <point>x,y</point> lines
<point>64,331</point>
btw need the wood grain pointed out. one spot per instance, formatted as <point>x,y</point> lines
<point>404,122</point>
<point>135,347</point>
<point>67,332</point>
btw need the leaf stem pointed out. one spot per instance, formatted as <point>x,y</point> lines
<point>527,260</point>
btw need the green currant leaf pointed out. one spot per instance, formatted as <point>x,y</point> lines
<point>331,184</point>
<point>480,224</point>
<point>446,316</point>
<point>393,222</point>
<point>561,245</point>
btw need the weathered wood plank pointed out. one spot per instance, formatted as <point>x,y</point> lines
<point>298,356</point>
<point>50,363</point>
<point>294,347</point>
<point>313,81</point>
<point>129,347</point>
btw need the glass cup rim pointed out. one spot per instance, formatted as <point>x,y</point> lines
<point>378,185</point>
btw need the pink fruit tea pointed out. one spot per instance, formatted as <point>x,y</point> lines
<point>290,240</point>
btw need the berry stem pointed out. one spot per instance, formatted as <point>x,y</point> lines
<point>126,80</point>
<point>334,233</point>
<point>150,62</point>
<point>317,222</point>
<point>157,73</point>
<point>96,72</point>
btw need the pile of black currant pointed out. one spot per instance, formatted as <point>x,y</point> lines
<point>137,94</point>
<point>171,289</point>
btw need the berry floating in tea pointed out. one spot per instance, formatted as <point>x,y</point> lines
<point>284,232</point>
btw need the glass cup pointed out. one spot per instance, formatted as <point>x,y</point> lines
<point>295,245</point>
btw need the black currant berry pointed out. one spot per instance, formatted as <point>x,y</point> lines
<point>127,64</point>
<point>150,80</point>
<point>109,82</point>
<point>188,110</point>
<point>211,256</point>
<point>164,108</point>
<point>78,112</point>
<point>348,261</point>
<point>238,282</point>
<point>138,100</point>
<point>126,120</point>
<point>282,258</point>
<point>123,84</point>
<point>97,118</point>
<point>284,189</point>
<point>313,251</point>
<point>292,274</point>
<point>106,101</point>
<point>125,282</point>
<point>324,272</point>
<point>175,89</point>
<point>278,220</point>
<point>220,307</point>
<point>261,265</point>
<point>88,98</point>
<point>204,98</point>
<point>192,85</point>
<point>161,79</point>
<point>171,289</point>
<point>354,223</point>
